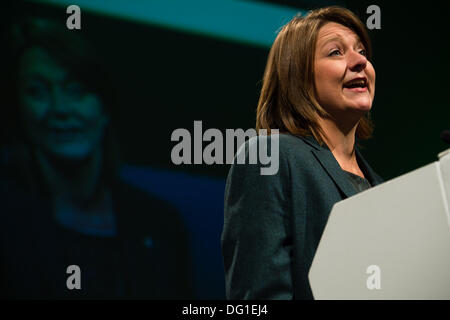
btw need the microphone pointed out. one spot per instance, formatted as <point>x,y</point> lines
<point>445,136</point>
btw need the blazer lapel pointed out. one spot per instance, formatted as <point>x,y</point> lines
<point>332,167</point>
<point>334,170</point>
<point>373,178</point>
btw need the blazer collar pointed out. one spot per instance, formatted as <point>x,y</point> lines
<point>334,170</point>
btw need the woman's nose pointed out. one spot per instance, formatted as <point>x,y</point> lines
<point>59,101</point>
<point>357,62</point>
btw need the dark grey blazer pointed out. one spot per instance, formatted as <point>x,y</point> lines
<point>273,223</point>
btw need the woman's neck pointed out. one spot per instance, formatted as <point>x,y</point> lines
<point>341,142</point>
<point>79,198</point>
<point>74,182</point>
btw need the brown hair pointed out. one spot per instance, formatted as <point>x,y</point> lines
<point>288,98</point>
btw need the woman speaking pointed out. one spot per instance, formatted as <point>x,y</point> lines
<point>318,89</point>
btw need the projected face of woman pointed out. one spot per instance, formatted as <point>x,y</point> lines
<point>344,78</point>
<point>60,115</point>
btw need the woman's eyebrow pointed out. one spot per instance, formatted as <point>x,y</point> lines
<point>32,76</point>
<point>335,38</point>
<point>340,39</point>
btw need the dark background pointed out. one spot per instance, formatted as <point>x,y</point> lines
<point>167,79</point>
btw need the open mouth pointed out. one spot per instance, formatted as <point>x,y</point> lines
<point>358,84</point>
<point>64,134</point>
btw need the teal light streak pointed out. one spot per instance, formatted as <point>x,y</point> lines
<point>254,23</point>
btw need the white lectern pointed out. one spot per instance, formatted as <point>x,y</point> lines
<point>389,242</point>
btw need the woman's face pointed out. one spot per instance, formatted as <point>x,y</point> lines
<point>344,78</point>
<point>59,115</point>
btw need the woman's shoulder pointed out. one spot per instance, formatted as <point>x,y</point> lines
<point>285,147</point>
<point>287,143</point>
<point>273,158</point>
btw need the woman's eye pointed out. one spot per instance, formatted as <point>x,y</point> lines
<point>335,52</point>
<point>75,89</point>
<point>37,90</point>
<point>363,52</point>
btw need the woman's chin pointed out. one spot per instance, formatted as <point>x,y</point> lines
<point>365,108</point>
<point>361,106</point>
<point>70,152</point>
<point>361,103</point>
